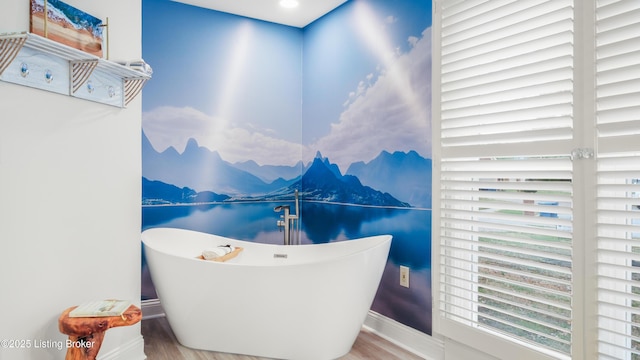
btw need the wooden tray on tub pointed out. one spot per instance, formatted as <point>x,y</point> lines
<point>224,258</point>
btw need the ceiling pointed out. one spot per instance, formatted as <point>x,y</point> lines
<point>270,10</point>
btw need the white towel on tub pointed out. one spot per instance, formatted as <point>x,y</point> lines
<point>216,252</point>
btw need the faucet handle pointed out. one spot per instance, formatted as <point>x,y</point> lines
<point>280,208</point>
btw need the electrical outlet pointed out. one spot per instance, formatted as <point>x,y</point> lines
<point>404,276</point>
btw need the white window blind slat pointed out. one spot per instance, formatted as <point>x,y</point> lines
<point>543,113</point>
<point>508,185</point>
<point>606,175</point>
<point>558,249</point>
<point>548,97</point>
<point>474,90</point>
<point>531,234</point>
<point>623,16</point>
<point>517,16</point>
<point>618,41</point>
<point>546,148</point>
<point>509,137</point>
<point>619,127</point>
<point>614,9</point>
<point>474,62</point>
<point>525,166</point>
<point>617,64</point>
<point>468,14</point>
<point>513,215</point>
<point>494,195</point>
<point>620,144</point>
<point>610,243</point>
<point>606,254</point>
<point>620,100</point>
<point>552,305</point>
<point>615,116</point>
<point>558,253</point>
<point>615,314</point>
<point>508,90</point>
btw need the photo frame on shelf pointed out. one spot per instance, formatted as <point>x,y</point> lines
<point>63,23</point>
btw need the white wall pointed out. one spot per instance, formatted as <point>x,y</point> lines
<point>69,199</point>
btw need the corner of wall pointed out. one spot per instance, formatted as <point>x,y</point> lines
<point>408,338</point>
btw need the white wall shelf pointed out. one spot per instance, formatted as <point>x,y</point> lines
<point>35,61</point>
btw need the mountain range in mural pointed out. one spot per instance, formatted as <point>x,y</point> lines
<point>199,175</point>
<point>156,192</point>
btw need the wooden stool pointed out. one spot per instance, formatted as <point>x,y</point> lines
<point>86,333</point>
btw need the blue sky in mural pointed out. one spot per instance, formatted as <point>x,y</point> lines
<point>207,67</point>
<point>227,62</point>
<point>388,51</point>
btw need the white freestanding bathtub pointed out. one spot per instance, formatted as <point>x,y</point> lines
<point>286,302</point>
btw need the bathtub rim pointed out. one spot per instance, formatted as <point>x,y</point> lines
<point>381,240</point>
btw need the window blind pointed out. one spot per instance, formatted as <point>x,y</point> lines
<point>505,216</point>
<point>618,173</point>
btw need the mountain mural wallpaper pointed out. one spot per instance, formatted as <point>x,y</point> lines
<point>241,113</point>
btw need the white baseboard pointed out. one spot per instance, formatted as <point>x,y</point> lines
<point>404,336</point>
<point>133,350</point>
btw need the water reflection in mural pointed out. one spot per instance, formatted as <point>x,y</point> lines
<point>321,223</point>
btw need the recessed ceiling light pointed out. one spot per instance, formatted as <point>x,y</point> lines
<point>289,4</point>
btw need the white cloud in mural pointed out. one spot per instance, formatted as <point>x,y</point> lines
<point>168,126</point>
<point>363,85</point>
<point>413,40</point>
<point>393,113</point>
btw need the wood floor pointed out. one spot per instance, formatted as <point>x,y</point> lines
<point>160,344</point>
